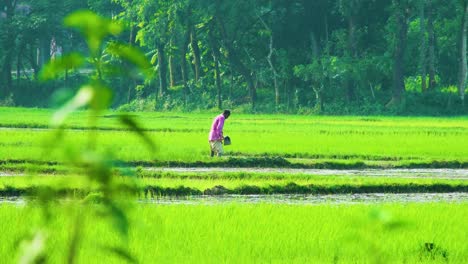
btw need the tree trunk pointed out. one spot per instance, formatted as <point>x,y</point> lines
<point>400,46</point>
<point>7,68</point>
<point>350,84</point>
<point>326,28</point>
<point>317,82</point>
<point>318,98</point>
<point>196,52</point>
<point>463,67</point>
<point>231,84</point>
<point>287,91</point>
<point>6,79</point>
<point>44,51</point>
<point>432,43</point>
<point>18,66</point>
<point>131,36</point>
<point>423,48</point>
<point>171,71</point>
<point>171,66</point>
<point>183,64</point>
<point>216,55</point>
<point>275,73</point>
<point>270,62</point>
<point>32,58</point>
<point>218,79</point>
<point>131,84</point>
<point>162,65</point>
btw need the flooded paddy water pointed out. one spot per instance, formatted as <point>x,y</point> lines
<point>455,174</point>
<point>9,174</point>
<point>292,199</point>
<point>298,199</point>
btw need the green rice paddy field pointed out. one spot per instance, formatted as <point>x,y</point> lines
<point>238,232</point>
<point>260,233</point>
<point>258,140</point>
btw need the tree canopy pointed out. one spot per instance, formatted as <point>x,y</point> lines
<point>295,56</point>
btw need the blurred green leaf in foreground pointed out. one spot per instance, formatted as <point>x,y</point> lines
<point>95,164</point>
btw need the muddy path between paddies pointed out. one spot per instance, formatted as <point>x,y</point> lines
<point>10,174</point>
<point>292,199</point>
<point>455,174</point>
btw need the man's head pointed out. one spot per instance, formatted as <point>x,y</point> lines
<point>226,114</point>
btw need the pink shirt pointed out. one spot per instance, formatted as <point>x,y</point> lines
<point>216,132</point>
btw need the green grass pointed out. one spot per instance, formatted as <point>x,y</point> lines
<point>259,233</point>
<point>301,141</point>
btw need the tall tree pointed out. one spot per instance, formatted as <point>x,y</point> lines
<point>432,44</point>
<point>185,25</point>
<point>401,33</point>
<point>233,54</point>
<point>350,9</point>
<point>360,48</point>
<point>462,47</point>
<point>7,45</point>
<point>196,52</point>
<point>271,51</point>
<point>423,47</point>
<point>216,56</point>
<point>172,81</point>
<point>155,18</point>
<point>162,67</point>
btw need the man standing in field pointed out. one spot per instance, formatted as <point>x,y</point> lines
<point>216,134</point>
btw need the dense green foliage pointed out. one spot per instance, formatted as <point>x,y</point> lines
<point>389,233</point>
<point>327,56</point>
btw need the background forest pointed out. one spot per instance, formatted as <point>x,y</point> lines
<point>404,57</point>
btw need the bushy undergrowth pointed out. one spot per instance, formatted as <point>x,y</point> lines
<point>431,103</point>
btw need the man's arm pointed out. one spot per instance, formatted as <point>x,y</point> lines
<point>220,127</point>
